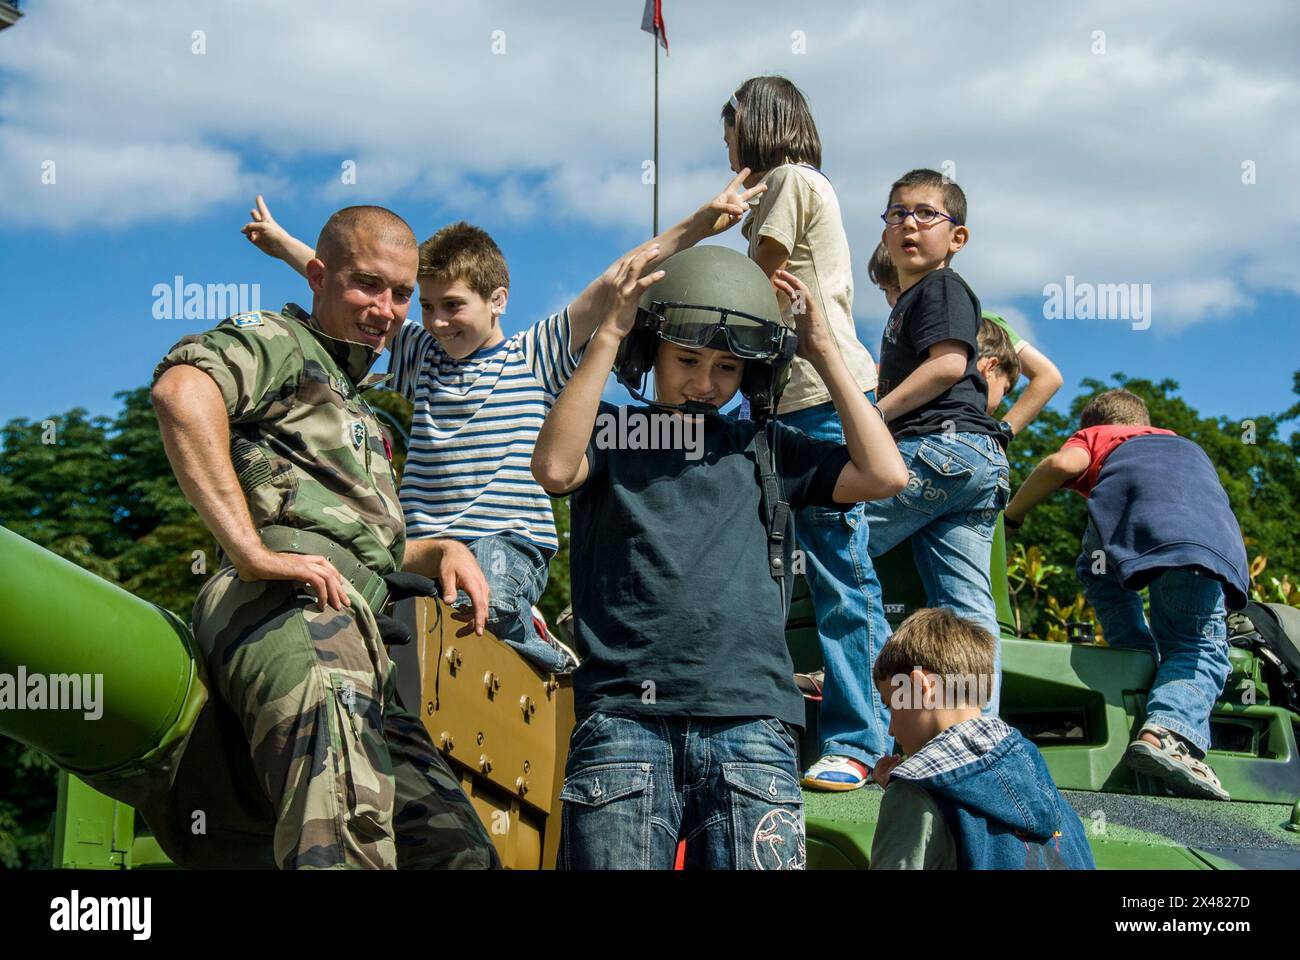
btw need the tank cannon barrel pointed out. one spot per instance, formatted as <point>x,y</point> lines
<point>102,682</point>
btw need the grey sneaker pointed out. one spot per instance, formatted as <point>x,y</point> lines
<point>1174,763</point>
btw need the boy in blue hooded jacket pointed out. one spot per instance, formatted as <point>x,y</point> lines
<point>973,793</point>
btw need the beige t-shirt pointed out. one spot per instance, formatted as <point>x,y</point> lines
<point>801,212</point>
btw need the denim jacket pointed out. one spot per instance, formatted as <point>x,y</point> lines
<point>998,800</point>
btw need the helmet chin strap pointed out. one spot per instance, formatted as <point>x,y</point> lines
<point>690,407</point>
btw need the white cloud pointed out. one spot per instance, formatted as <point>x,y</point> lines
<point>1117,167</point>
<point>1018,321</point>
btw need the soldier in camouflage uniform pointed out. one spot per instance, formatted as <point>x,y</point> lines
<point>304,493</point>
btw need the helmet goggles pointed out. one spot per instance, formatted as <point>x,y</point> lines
<point>744,335</point>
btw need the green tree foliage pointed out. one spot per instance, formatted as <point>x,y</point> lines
<point>558,593</point>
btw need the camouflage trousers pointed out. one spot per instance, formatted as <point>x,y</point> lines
<point>352,776</point>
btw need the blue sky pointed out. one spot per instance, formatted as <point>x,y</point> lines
<point>1118,159</point>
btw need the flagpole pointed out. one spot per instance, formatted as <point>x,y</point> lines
<point>655,231</point>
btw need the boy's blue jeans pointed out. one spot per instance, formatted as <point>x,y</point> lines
<point>516,572</point>
<point>957,485</point>
<point>1187,636</point>
<point>845,591</point>
<point>728,786</point>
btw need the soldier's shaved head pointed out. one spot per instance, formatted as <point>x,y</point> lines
<point>336,242</point>
<point>363,274</point>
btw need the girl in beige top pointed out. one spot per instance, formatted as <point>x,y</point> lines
<point>796,224</point>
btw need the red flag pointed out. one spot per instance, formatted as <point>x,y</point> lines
<point>652,21</point>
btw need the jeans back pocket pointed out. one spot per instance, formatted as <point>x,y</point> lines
<point>938,477</point>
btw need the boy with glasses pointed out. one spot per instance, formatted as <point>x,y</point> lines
<point>935,401</point>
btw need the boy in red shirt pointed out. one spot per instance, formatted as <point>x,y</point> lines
<point>1157,518</point>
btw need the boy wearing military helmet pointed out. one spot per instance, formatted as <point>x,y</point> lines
<point>685,699</point>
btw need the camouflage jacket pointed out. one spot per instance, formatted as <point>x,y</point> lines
<point>306,447</point>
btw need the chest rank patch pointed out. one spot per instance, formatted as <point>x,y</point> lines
<point>247,320</point>
<point>358,434</point>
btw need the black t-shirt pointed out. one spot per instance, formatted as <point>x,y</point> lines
<point>939,306</point>
<point>675,611</point>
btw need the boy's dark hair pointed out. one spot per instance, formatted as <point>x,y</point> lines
<point>881,269</point>
<point>1115,407</point>
<point>461,251</point>
<point>773,125</point>
<point>953,197</point>
<point>994,342</point>
<point>336,237</point>
<point>936,640</point>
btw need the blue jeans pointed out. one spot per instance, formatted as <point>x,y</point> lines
<point>728,786</point>
<point>516,572</point>
<point>1187,636</point>
<point>845,591</point>
<point>957,485</point>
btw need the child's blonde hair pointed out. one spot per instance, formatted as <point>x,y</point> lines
<point>461,251</point>
<point>938,641</point>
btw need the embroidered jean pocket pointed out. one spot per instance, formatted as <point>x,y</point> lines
<point>765,808</point>
<point>936,477</point>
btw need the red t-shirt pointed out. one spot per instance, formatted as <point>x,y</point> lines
<point>1099,442</point>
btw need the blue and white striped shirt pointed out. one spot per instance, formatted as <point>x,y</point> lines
<point>475,424</point>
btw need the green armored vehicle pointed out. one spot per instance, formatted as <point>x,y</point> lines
<point>157,740</point>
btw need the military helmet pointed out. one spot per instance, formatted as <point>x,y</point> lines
<point>712,296</point>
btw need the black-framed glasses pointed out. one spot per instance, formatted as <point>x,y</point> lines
<point>697,325</point>
<point>923,213</point>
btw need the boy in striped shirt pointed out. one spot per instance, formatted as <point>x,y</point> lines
<point>480,398</point>
<point>476,519</point>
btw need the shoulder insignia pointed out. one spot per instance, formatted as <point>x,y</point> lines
<point>247,320</point>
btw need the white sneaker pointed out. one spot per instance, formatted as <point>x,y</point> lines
<point>836,773</point>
